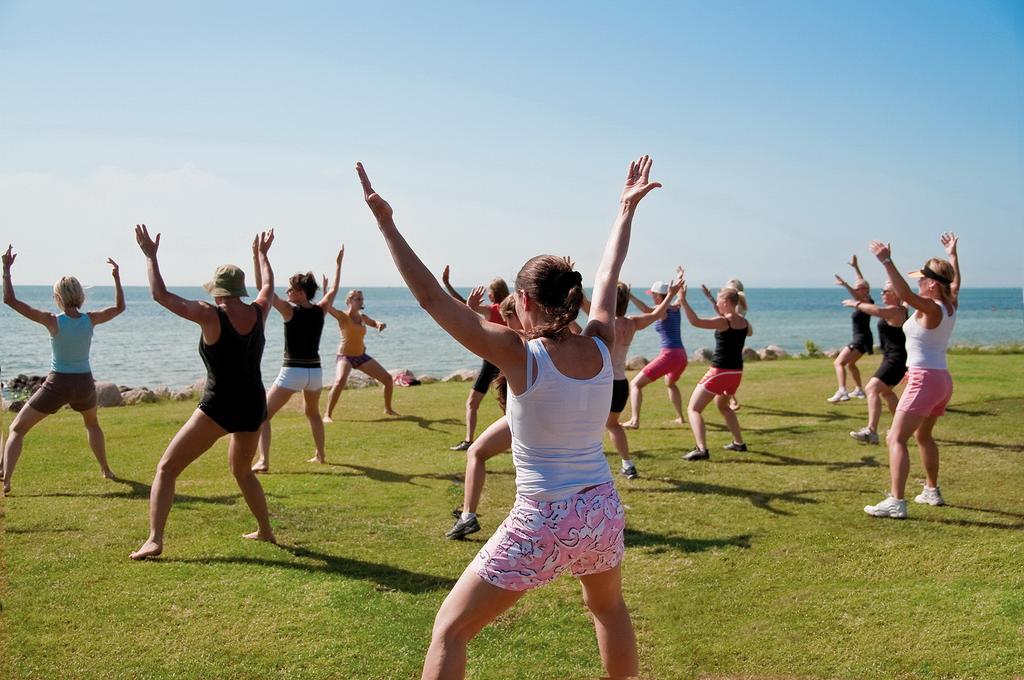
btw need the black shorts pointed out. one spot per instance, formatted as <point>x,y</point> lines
<point>862,346</point>
<point>488,372</point>
<point>620,395</point>
<point>891,371</point>
<point>238,411</point>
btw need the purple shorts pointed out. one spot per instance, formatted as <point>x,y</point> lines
<point>541,539</point>
<point>354,360</point>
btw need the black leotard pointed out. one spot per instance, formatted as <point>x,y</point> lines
<point>729,348</point>
<point>234,397</point>
<point>863,341</point>
<point>302,337</point>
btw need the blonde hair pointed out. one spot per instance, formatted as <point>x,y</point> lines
<point>499,289</point>
<point>351,294</point>
<point>943,268</point>
<point>741,297</point>
<point>508,307</point>
<point>69,291</point>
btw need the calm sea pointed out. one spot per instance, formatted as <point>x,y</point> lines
<point>149,346</point>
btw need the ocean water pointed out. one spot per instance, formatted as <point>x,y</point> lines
<point>148,345</point>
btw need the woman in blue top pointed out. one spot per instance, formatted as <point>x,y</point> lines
<point>559,390</point>
<point>70,380</point>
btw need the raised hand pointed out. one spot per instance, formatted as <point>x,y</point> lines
<point>256,247</point>
<point>675,286</point>
<point>707,292</point>
<point>381,326</point>
<point>264,240</point>
<point>949,240</point>
<point>883,251</point>
<point>680,272</point>
<point>475,298</point>
<point>148,245</point>
<point>850,303</point>
<point>853,261</point>
<point>8,258</point>
<point>446,273</point>
<point>324,286</point>
<point>115,271</point>
<point>378,206</point>
<point>638,181</point>
<point>682,287</point>
<point>839,280</point>
<point>341,255</point>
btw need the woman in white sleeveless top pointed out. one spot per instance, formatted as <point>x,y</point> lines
<point>567,515</point>
<point>929,385</point>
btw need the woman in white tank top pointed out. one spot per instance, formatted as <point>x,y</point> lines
<point>567,515</point>
<point>929,385</point>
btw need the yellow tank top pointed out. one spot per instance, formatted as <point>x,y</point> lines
<point>352,336</point>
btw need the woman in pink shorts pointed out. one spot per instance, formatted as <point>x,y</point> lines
<point>929,385</point>
<point>723,378</point>
<point>567,515</point>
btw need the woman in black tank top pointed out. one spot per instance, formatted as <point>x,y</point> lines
<point>723,378</point>
<point>862,342</point>
<point>894,359</point>
<point>301,372</point>
<point>231,346</point>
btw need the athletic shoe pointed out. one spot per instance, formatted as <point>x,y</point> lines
<point>628,471</point>
<point>865,435</point>
<point>839,396</point>
<point>697,454</point>
<point>890,507</point>
<point>930,497</point>
<point>461,446</point>
<point>735,447</point>
<point>858,393</point>
<point>463,528</point>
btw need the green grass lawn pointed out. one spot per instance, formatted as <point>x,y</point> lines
<point>757,564</point>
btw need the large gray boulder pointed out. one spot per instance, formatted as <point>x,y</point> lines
<point>108,394</point>
<point>702,355</point>
<point>750,354</point>
<point>636,363</point>
<point>426,379</point>
<point>772,352</point>
<point>141,395</point>
<point>461,375</point>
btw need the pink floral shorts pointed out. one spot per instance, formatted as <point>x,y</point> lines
<point>541,539</point>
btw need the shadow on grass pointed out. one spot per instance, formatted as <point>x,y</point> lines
<point>824,417</point>
<point>661,543</point>
<point>424,423</point>
<point>759,499</point>
<point>137,490</point>
<point>44,530</point>
<point>779,459</point>
<point>386,578</point>
<point>380,475</point>
<point>978,444</point>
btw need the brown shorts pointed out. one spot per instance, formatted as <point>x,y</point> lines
<point>77,390</point>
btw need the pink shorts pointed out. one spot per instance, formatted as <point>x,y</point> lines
<point>541,539</point>
<point>670,362</point>
<point>927,393</point>
<point>722,380</point>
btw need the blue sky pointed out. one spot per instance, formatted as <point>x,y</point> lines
<point>787,134</point>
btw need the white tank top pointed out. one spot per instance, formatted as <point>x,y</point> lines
<point>557,427</point>
<point>926,348</point>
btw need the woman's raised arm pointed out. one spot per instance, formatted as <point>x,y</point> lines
<point>193,310</point>
<point>931,309</point>
<point>105,315</point>
<point>11,300</point>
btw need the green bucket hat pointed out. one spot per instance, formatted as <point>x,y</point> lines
<point>228,281</point>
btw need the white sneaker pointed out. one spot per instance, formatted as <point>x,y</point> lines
<point>839,396</point>
<point>930,496</point>
<point>858,393</point>
<point>865,435</point>
<point>890,507</point>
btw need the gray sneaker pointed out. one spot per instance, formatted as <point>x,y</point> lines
<point>697,454</point>
<point>929,496</point>
<point>628,471</point>
<point>890,507</point>
<point>461,446</point>
<point>865,435</point>
<point>463,528</point>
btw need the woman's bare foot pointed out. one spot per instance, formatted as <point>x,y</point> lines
<point>109,474</point>
<point>679,421</point>
<point>734,405</point>
<point>392,412</point>
<point>260,466</point>
<point>148,549</point>
<point>328,419</point>
<point>631,425</point>
<point>258,536</point>
<point>317,458</point>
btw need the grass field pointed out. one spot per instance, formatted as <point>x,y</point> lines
<point>758,564</point>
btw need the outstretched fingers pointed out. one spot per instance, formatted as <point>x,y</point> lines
<point>364,180</point>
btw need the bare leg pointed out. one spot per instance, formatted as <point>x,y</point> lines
<point>876,389</point>
<point>636,399</point>
<point>616,640</point>
<point>731,420</point>
<point>675,398</point>
<point>929,450</point>
<point>618,435</point>
<point>903,425</point>
<point>854,371</point>
<point>344,368</point>
<point>494,440</point>
<point>471,605</point>
<point>23,422</point>
<point>891,399</point>
<point>311,400</point>
<point>698,400</point>
<point>241,450</point>
<point>96,441</point>
<point>277,397</point>
<point>376,371</point>
<point>472,406</point>
<point>194,439</point>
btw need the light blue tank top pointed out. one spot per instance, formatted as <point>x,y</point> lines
<point>71,344</point>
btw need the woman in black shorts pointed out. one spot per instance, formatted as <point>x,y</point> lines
<point>234,401</point>
<point>497,291</point>
<point>862,342</point>
<point>70,381</point>
<point>890,373</point>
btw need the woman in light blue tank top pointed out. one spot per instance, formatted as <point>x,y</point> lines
<point>560,390</point>
<point>70,380</point>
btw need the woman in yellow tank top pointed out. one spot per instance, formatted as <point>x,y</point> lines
<point>352,352</point>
